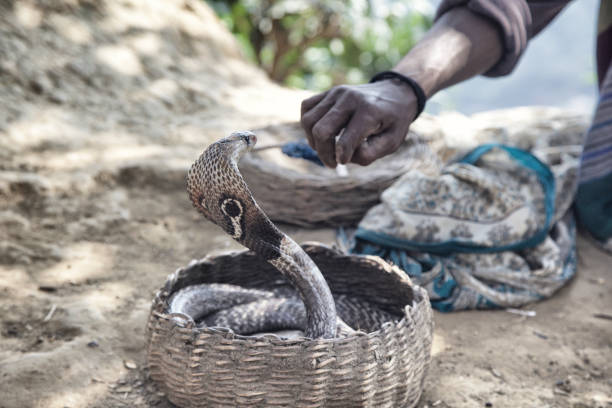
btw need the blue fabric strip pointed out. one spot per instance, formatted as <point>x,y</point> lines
<point>302,150</point>
<point>597,153</point>
<point>600,125</point>
<point>525,159</point>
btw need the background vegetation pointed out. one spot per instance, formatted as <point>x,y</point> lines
<point>317,44</point>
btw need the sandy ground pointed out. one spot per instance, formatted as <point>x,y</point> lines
<point>103,106</point>
<point>97,269</point>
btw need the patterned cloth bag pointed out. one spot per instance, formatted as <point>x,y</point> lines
<point>493,229</point>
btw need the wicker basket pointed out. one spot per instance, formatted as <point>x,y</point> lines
<point>206,367</point>
<point>302,193</point>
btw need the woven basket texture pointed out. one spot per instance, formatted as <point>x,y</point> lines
<point>299,192</point>
<point>211,367</point>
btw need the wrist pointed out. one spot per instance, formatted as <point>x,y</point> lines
<point>426,78</point>
<point>407,82</point>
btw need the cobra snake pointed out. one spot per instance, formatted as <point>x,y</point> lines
<point>218,191</point>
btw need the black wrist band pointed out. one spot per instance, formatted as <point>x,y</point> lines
<point>418,91</point>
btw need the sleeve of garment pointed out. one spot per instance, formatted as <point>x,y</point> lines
<point>517,20</point>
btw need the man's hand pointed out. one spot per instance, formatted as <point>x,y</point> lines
<point>375,118</point>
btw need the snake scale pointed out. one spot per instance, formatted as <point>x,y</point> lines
<point>218,191</point>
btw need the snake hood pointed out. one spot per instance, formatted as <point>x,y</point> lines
<point>216,189</point>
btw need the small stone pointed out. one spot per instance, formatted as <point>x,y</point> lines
<point>495,373</point>
<point>93,344</point>
<point>488,404</point>
<point>123,388</point>
<point>564,385</point>
<point>540,335</point>
<point>58,97</point>
<point>39,85</point>
<point>595,372</point>
<point>130,365</point>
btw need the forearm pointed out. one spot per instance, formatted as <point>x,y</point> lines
<point>461,44</point>
<point>469,38</point>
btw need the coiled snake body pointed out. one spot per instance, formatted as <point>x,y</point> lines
<point>217,190</point>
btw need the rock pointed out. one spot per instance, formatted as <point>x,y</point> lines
<point>564,385</point>
<point>129,364</point>
<point>13,253</point>
<point>58,97</point>
<point>123,389</point>
<point>40,84</point>
<point>540,335</point>
<point>496,373</point>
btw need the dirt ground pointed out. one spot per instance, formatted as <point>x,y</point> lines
<point>102,107</point>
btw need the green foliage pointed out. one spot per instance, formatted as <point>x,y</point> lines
<point>317,44</point>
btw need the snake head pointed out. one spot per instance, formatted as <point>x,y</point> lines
<point>215,186</point>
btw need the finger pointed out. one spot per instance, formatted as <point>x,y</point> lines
<point>325,130</point>
<point>311,117</point>
<point>377,146</point>
<point>309,103</point>
<point>358,129</point>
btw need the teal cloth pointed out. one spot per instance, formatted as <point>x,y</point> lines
<point>524,159</point>
<point>487,232</point>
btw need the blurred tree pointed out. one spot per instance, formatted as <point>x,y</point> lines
<point>317,44</point>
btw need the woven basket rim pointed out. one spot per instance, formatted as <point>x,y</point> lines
<point>160,301</point>
<point>276,340</point>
